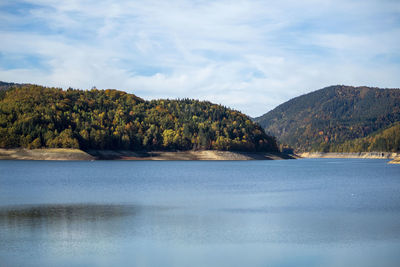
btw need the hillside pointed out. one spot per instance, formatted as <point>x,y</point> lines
<point>383,140</point>
<point>321,120</point>
<point>33,116</point>
<point>5,86</point>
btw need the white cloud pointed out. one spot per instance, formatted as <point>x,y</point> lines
<point>249,55</point>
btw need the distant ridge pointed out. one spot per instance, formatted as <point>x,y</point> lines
<point>326,118</point>
<point>6,85</point>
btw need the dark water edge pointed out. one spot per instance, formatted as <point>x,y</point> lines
<point>308,212</point>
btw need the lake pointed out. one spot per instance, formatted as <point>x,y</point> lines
<point>308,212</point>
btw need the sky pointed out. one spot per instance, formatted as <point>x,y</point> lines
<point>247,55</point>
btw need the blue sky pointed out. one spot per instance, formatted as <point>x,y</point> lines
<point>248,55</point>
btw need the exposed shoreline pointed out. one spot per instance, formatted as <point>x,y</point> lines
<point>76,154</point>
<point>395,161</point>
<point>355,155</point>
<point>80,155</point>
<point>44,154</point>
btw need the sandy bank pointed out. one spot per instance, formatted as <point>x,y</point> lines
<point>45,154</point>
<point>76,154</point>
<point>395,161</point>
<point>358,155</point>
<point>185,155</point>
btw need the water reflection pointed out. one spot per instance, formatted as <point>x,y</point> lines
<point>73,222</point>
<point>82,222</point>
<point>63,213</point>
<point>62,231</point>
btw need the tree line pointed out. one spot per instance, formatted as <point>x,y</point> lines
<point>33,116</point>
<point>383,140</point>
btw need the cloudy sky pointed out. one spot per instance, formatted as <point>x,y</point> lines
<point>248,55</point>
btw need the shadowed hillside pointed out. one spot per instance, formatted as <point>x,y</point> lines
<point>321,120</point>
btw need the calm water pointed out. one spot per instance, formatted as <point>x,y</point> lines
<point>309,212</point>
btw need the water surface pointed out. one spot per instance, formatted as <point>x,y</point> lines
<point>309,212</point>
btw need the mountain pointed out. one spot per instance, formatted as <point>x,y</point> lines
<point>321,120</point>
<point>387,139</point>
<point>5,86</point>
<point>34,116</point>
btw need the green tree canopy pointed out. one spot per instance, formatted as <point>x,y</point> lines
<point>35,116</point>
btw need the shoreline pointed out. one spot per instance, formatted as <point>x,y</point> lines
<point>353,155</point>
<point>80,155</point>
<point>395,160</point>
<point>44,154</point>
<point>69,154</point>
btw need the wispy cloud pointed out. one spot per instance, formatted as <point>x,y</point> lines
<point>250,55</point>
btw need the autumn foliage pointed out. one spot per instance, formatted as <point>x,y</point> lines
<point>34,116</point>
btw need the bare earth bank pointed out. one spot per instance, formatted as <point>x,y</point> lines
<point>395,161</point>
<point>76,154</point>
<point>361,155</point>
<point>44,154</point>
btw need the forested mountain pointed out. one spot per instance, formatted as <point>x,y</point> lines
<point>383,140</point>
<point>34,116</point>
<point>321,120</point>
<point>4,86</point>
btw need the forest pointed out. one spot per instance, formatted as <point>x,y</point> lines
<point>33,116</point>
<point>387,139</point>
<point>328,119</point>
